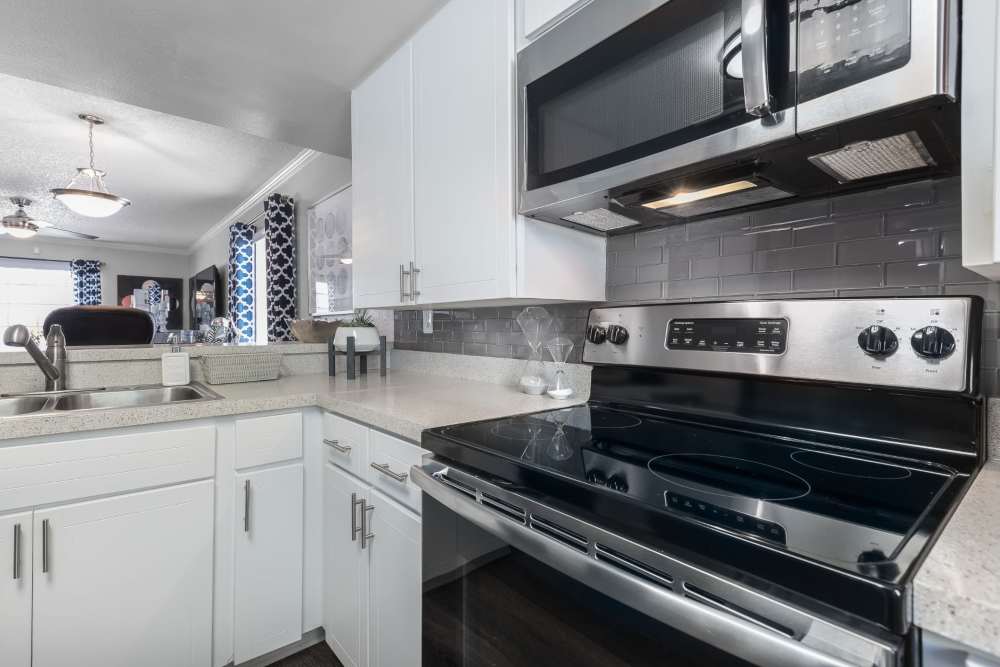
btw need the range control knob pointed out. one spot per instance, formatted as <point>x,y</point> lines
<point>933,342</point>
<point>596,334</point>
<point>878,341</point>
<point>617,334</point>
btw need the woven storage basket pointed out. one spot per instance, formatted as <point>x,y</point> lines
<point>240,367</point>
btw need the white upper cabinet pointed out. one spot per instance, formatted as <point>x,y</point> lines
<point>537,16</point>
<point>125,580</point>
<point>434,177</point>
<point>462,157</point>
<point>382,176</point>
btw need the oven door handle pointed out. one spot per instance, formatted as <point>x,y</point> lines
<point>753,51</point>
<point>724,631</point>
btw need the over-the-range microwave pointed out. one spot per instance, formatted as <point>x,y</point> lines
<point>645,112</point>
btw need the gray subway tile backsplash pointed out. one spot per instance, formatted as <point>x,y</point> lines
<point>900,241</point>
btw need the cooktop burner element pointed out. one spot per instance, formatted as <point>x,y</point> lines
<point>849,466</point>
<point>816,466</point>
<point>728,476</point>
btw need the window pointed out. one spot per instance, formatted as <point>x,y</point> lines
<point>260,290</point>
<point>30,289</point>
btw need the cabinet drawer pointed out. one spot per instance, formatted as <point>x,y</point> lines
<point>53,472</point>
<point>270,439</point>
<point>339,434</point>
<point>399,456</point>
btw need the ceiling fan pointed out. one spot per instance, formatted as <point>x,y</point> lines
<point>21,226</point>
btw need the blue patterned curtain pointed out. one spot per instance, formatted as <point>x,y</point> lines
<point>279,230</point>
<point>86,281</point>
<point>240,280</point>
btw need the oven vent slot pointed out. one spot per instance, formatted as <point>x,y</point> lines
<point>633,567</point>
<point>714,601</point>
<point>458,486</point>
<point>558,533</point>
<point>503,507</point>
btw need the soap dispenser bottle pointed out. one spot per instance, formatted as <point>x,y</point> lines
<point>176,365</point>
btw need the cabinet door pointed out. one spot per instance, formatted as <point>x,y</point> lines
<point>382,181</point>
<point>395,585</point>
<point>15,589</point>
<point>345,569</point>
<point>268,570</point>
<point>462,134</point>
<point>125,580</point>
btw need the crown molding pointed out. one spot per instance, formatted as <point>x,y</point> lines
<point>296,164</point>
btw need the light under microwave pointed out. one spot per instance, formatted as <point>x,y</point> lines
<point>650,112</point>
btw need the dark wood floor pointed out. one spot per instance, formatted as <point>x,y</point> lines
<point>319,655</point>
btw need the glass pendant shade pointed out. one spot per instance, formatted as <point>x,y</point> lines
<point>87,195</point>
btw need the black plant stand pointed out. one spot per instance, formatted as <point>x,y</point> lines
<point>354,356</point>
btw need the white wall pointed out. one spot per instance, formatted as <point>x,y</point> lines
<point>117,260</point>
<point>323,175</point>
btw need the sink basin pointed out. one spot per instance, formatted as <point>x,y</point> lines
<point>131,398</point>
<point>23,405</point>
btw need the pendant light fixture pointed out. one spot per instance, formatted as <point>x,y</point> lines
<point>86,194</point>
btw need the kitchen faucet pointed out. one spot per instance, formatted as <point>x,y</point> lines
<point>52,362</point>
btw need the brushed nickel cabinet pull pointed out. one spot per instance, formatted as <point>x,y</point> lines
<point>403,275</point>
<point>17,551</point>
<point>45,545</point>
<point>354,516</point>
<point>246,506</point>
<point>343,449</point>
<point>386,470</point>
<point>414,292</point>
<point>366,537</point>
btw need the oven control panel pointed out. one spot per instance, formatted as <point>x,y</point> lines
<point>763,336</point>
<point>918,342</point>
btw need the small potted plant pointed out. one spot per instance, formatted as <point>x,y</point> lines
<point>362,328</point>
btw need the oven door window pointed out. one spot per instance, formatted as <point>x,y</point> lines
<point>487,603</point>
<point>672,77</point>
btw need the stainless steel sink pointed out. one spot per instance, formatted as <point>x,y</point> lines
<point>22,405</point>
<point>102,398</point>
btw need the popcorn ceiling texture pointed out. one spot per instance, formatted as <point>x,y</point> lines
<point>898,241</point>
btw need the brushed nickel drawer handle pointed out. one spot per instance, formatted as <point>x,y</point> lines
<point>386,470</point>
<point>17,551</point>
<point>343,449</point>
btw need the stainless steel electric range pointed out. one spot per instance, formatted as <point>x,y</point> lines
<point>749,483</point>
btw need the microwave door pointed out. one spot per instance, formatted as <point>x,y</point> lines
<point>857,58</point>
<point>688,81</point>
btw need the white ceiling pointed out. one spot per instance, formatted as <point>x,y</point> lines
<point>280,70</point>
<point>182,176</point>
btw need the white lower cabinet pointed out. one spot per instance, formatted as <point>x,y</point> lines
<point>268,560</point>
<point>396,596</point>
<point>372,589</point>
<point>15,589</point>
<point>124,580</point>
<point>345,568</point>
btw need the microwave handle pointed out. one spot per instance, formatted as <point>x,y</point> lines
<point>753,50</point>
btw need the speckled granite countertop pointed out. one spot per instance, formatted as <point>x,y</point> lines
<point>403,403</point>
<point>957,590</point>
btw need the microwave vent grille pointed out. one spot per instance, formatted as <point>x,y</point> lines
<point>865,159</point>
<point>601,219</point>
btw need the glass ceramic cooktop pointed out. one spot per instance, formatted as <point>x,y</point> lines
<point>838,505</point>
